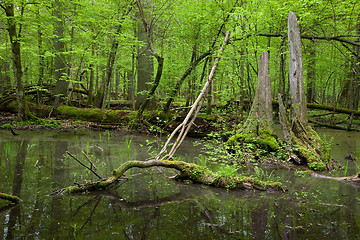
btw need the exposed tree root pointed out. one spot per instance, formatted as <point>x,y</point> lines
<point>188,171</point>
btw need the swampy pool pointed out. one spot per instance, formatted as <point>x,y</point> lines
<point>152,206</point>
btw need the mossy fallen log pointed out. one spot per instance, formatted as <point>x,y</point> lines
<point>97,115</point>
<point>333,109</point>
<point>188,171</point>
<point>11,198</point>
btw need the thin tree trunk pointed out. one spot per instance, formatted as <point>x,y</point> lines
<point>311,73</point>
<point>110,66</point>
<point>41,59</point>
<point>117,83</point>
<point>182,79</point>
<point>282,74</point>
<point>15,38</point>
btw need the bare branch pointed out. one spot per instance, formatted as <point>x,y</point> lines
<point>83,165</point>
<point>339,38</point>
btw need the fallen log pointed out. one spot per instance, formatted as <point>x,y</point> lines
<point>331,126</point>
<point>188,171</point>
<point>332,108</point>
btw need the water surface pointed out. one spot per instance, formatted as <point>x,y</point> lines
<point>151,206</point>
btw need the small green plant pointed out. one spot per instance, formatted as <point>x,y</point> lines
<point>346,168</point>
<point>74,226</point>
<point>262,175</point>
<point>302,173</point>
<point>128,142</point>
<point>108,135</point>
<point>202,159</point>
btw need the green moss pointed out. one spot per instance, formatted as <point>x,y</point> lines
<point>317,166</point>
<point>266,140</point>
<point>94,114</point>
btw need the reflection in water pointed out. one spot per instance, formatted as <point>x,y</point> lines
<point>15,213</point>
<point>149,205</point>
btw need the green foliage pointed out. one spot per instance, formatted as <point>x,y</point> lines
<point>317,166</point>
<point>262,175</point>
<point>301,173</point>
<point>39,123</point>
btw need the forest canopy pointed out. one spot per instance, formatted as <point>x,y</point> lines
<point>115,50</point>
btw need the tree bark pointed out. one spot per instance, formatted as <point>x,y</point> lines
<point>61,77</point>
<point>150,94</point>
<point>296,71</point>
<point>145,66</point>
<point>260,115</point>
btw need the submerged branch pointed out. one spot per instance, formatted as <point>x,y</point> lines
<point>84,165</point>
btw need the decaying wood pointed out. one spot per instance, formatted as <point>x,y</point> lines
<point>296,81</point>
<point>303,137</point>
<point>11,198</point>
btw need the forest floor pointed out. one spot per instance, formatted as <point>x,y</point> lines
<point>222,120</point>
<point>152,124</point>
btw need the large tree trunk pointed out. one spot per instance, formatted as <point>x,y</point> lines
<point>257,129</point>
<point>260,116</point>
<point>61,77</point>
<point>145,63</point>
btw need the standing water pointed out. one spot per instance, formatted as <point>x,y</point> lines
<point>151,206</point>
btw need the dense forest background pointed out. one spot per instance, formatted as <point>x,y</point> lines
<point>94,52</point>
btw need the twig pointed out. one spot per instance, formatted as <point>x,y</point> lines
<point>13,132</point>
<point>87,158</point>
<point>84,165</point>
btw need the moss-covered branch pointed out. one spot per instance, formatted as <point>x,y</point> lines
<point>188,171</point>
<point>11,198</point>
